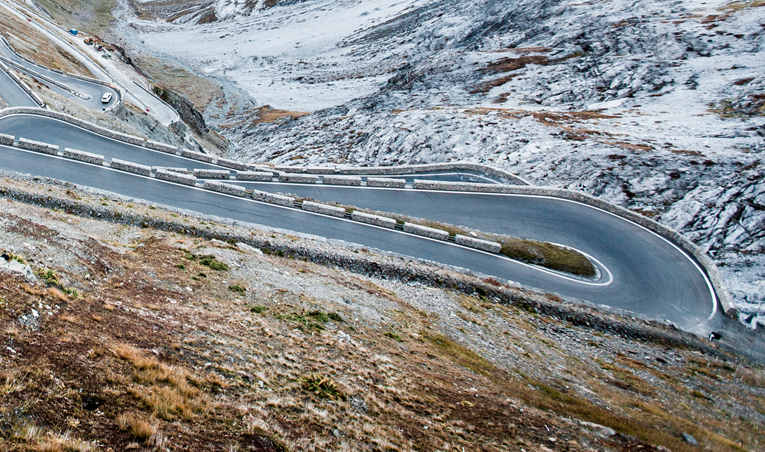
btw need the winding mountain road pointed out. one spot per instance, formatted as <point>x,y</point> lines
<point>640,271</point>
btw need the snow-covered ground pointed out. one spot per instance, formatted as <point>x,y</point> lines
<point>656,105</point>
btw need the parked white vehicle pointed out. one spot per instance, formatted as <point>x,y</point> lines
<point>107,97</point>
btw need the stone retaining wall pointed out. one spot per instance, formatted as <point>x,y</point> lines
<point>472,242</point>
<point>6,139</point>
<point>211,174</point>
<point>342,180</point>
<point>37,146</point>
<point>298,178</point>
<point>131,167</point>
<point>376,220</point>
<point>386,182</point>
<point>273,199</point>
<point>226,188</point>
<point>83,156</point>
<point>207,158</point>
<point>323,209</point>
<point>164,174</point>
<point>426,231</point>
<point>255,176</point>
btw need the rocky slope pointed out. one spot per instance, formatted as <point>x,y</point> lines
<point>126,337</point>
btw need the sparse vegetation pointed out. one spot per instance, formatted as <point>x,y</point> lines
<point>237,288</point>
<point>394,336</point>
<point>322,386</point>
<point>548,255</point>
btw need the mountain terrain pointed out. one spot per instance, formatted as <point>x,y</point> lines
<point>654,105</point>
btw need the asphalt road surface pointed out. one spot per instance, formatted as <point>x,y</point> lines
<point>13,94</point>
<point>90,93</point>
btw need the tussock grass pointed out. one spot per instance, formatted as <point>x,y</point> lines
<point>138,428</point>
<point>322,386</point>
<point>170,392</point>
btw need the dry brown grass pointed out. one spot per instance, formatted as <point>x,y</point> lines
<point>170,392</point>
<point>139,428</point>
<point>266,114</point>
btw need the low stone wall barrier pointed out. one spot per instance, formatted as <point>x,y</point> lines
<point>342,180</point>
<point>386,182</point>
<point>211,174</point>
<point>298,178</point>
<point>37,146</point>
<point>376,220</point>
<point>306,169</point>
<point>323,209</point>
<point>6,139</point>
<point>74,154</point>
<point>233,164</point>
<point>170,169</point>
<point>459,186</point>
<point>255,176</point>
<point>157,146</point>
<point>426,231</point>
<point>226,188</point>
<point>472,242</point>
<point>131,167</point>
<point>271,198</point>
<point>171,176</point>
<point>207,158</point>
<point>413,169</point>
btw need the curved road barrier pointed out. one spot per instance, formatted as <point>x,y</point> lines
<point>131,167</point>
<point>83,156</point>
<point>228,189</point>
<point>323,209</point>
<point>272,198</point>
<point>211,174</point>
<point>472,242</point>
<point>425,231</point>
<point>298,178</point>
<point>37,146</point>
<point>171,176</point>
<point>342,180</point>
<point>376,220</point>
<point>255,176</point>
<point>385,182</point>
